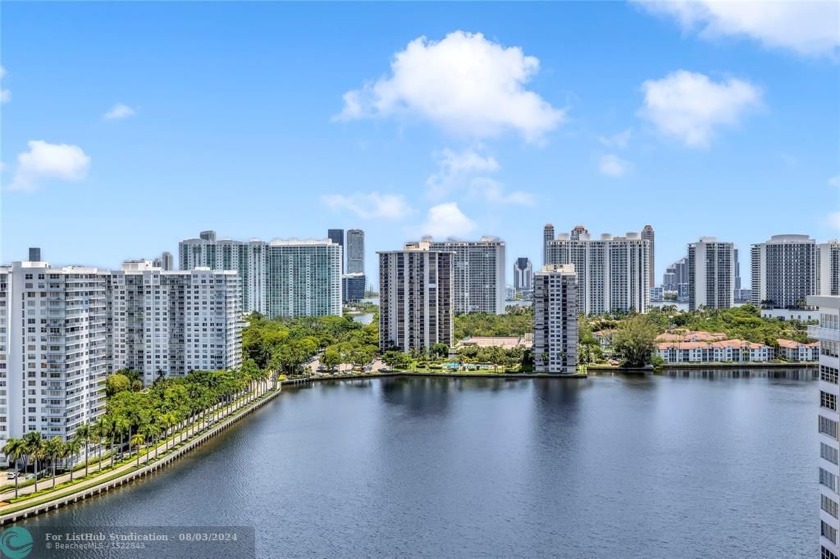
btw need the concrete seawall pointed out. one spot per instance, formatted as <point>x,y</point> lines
<point>142,472</point>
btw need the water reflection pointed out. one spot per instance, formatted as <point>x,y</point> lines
<point>420,396</point>
<point>809,373</point>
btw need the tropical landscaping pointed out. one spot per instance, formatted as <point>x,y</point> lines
<point>169,411</point>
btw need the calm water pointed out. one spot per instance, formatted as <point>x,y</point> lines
<point>692,465</point>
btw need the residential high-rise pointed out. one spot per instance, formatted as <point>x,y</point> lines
<point>711,274</point>
<point>577,231</point>
<point>523,275</point>
<point>165,262</point>
<point>172,322</point>
<point>303,278</point>
<point>415,298</point>
<point>612,272</point>
<point>676,277</point>
<point>478,273</point>
<point>337,236</point>
<point>784,271</point>
<point>648,234</point>
<point>54,353</point>
<point>355,251</point>
<point>64,329</point>
<point>737,272</point>
<point>548,235</point>
<point>353,287</point>
<point>828,426</point>
<point>828,268</point>
<point>279,278</point>
<point>556,319</point>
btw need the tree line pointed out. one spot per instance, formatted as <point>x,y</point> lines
<point>137,416</point>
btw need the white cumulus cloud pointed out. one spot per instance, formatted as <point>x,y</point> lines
<point>466,171</point>
<point>5,94</point>
<point>689,106</point>
<point>372,205</point>
<point>46,161</point>
<point>447,220</point>
<point>613,166</point>
<point>803,26</point>
<point>119,112</point>
<point>464,83</point>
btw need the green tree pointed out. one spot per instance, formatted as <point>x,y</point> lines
<point>397,360</point>
<point>635,340</point>
<point>116,383</point>
<point>331,357</point>
<point>53,449</point>
<point>35,449</point>
<point>83,434</point>
<point>15,449</point>
<point>71,449</point>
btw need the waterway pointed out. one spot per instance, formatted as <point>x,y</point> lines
<point>686,464</point>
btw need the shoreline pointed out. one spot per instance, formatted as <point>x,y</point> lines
<point>112,483</point>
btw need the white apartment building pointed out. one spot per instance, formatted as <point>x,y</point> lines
<point>478,274</point>
<point>64,329</point>
<point>54,352</point>
<point>172,322</point>
<point>828,268</point>
<point>556,320</point>
<point>613,273</point>
<point>784,271</point>
<point>711,274</point>
<point>415,298</point>
<point>279,278</point>
<point>828,334</point>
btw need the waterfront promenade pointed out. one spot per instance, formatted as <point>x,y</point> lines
<point>155,458</point>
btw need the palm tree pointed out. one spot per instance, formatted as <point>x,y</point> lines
<point>15,449</point>
<point>101,430</point>
<point>83,433</point>
<point>167,422</point>
<point>136,440</point>
<point>121,426</point>
<point>53,448</point>
<point>35,445</point>
<point>71,449</point>
<point>149,431</point>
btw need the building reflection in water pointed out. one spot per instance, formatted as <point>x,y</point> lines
<point>809,373</point>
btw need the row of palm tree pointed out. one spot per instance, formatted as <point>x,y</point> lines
<point>35,449</point>
<point>182,405</point>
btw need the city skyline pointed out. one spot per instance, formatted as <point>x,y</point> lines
<point>232,146</point>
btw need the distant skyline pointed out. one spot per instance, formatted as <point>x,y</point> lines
<point>129,127</point>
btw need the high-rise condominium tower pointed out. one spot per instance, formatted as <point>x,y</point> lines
<point>54,347</point>
<point>828,268</point>
<point>279,278</point>
<point>548,235</point>
<point>612,272</point>
<point>784,271</point>
<point>415,297</point>
<point>828,334</point>
<point>523,275</point>
<point>647,233</point>
<point>355,251</point>
<point>555,319</point>
<point>711,274</point>
<point>173,322</point>
<point>478,272</point>
<point>64,329</point>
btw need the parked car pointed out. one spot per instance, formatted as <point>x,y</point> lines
<point>11,475</point>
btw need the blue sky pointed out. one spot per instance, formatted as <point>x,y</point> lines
<point>280,120</point>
